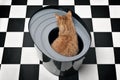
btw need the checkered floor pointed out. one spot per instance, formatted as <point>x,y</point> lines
<point>18,57</point>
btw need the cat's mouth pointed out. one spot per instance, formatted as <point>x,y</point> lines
<point>54,34</point>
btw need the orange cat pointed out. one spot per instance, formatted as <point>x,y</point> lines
<point>66,43</point>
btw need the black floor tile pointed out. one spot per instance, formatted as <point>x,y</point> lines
<point>90,57</point>
<point>82,2</point>
<point>114,2</point>
<point>29,72</point>
<point>115,23</point>
<point>27,41</point>
<point>88,22</point>
<point>2,38</point>
<point>68,8</point>
<point>71,77</point>
<point>16,24</point>
<point>31,10</point>
<point>103,39</point>
<point>107,72</point>
<point>50,2</point>
<point>4,11</point>
<point>117,55</point>
<point>100,11</point>
<point>11,56</point>
<point>19,2</point>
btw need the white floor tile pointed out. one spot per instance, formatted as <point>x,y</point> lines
<point>99,2</point>
<point>26,24</point>
<point>29,56</point>
<point>14,39</point>
<point>1,54</point>
<point>10,72</point>
<point>88,72</point>
<point>114,11</point>
<point>83,11</point>
<point>93,41</point>
<point>118,71</point>
<point>35,2</point>
<point>5,2</point>
<point>105,55</point>
<point>66,2</point>
<point>45,5</point>
<point>3,24</point>
<point>101,25</point>
<point>18,12</point>
<point>116,39</point>
<point>46,75</point>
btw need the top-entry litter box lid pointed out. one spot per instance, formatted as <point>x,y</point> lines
<point>44,21</point>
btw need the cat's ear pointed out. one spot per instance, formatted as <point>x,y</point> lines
<point>57,16</point>
<point>69,13</point>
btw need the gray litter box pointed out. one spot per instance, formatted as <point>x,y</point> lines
<point>43,30</point>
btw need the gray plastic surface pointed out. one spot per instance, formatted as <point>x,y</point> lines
<point>43,22</point>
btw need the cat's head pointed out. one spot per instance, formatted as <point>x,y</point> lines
<point>64,21</point>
